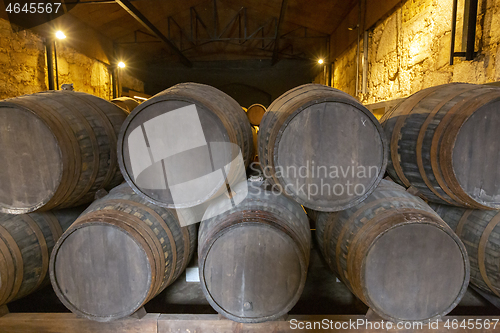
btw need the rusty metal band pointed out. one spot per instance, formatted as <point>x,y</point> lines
<point>354,272</point>
<point>165,227</point>
<point>128,224</point>
<point>436,148</point>
<point>187,245</point>
<point>70,146</point>
<point>450,135</point>
<point>8,272</point>
<point>421,137</point>
<point>44,251</point>
<point>53,122</point>
<point>481,252</point>
<point>148,235</point>
<point>462,221</point>
<point>54,225</point>
<point>82,120</point>
<point>351,219</point>
<point>403,112</point>
<point>111,135</point>
<point>18,260</point>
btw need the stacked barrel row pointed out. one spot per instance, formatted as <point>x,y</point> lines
<point>184,153</point>
<point>442,146</point>
<point>57,150</point>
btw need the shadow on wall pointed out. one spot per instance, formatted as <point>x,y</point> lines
<point>247,81</point>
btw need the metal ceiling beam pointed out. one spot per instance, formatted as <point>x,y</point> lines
<point>284,4</point>
<point>139,17</point>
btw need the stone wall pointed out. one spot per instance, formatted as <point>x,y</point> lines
<point>22,62</point>
<point>86,74</point>
<point>23,66</point>
<point>409,51</point>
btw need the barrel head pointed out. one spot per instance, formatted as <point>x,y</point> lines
<point>100,272</point>
<point>255,112</point>
<point>167,142</point>
<point>330,155</point>
<point>253,273</point>
<point>30,159</point>
<point>415,272</point>
<point>476,155</point>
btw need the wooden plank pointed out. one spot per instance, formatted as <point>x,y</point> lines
<point>167,323</point>
<point>68,322</point>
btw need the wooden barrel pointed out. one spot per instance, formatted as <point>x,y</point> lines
<point>57,148</point>
<point>255,112</point>
<point>322,147</point>
<point>178,136</point>
<point>119,254</point>
<point>253,258</point>
<point>442,142</point>
<point>479,230</point>
<point>126,103</point>
<point>26,241</point>
<point>396,255</point>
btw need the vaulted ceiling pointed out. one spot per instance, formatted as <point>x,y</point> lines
<point>217,29</point>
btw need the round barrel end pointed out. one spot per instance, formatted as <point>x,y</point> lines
<point>30,158</point>
<point>476,153</point>
<point>253,273</point>
<point>255,112</point>
<point>100,272</point>
<point>166,151</point>
<point>415,272</point>
<point>331,155</point>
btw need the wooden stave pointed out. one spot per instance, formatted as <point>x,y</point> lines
<point>236,124</point>
<point>32,237</point>
<point>92,118</point>
<point>470,226</point>
<point>124,198</point>
<point>289,104</point>
<point>280,213</point>
<point>433,178</point>
<point>336,231</point>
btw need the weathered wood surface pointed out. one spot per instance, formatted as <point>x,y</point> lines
<point>119,254</point>
<point>26,242</point>
<point>443,143</point>
<point>479,230</point>
<point>253,258</point>
<point>395,254</point>
<point>57,148</point>
<point>255,112</point>
<point>218,116</point>
<point>163,323</point>
<point>126,103</point>
<point>323,147</point>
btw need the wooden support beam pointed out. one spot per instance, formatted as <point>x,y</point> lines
<point>139,17</point>
<point>281,19</point>
<point>163,323</point>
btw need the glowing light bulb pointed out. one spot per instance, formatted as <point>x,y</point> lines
<point>60,35</point>
<point>320,61</point>
<point>121,64</point>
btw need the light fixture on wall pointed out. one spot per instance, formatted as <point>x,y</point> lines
<point>121,64</point>
<point>320,61</point>
<point>60,35</point>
